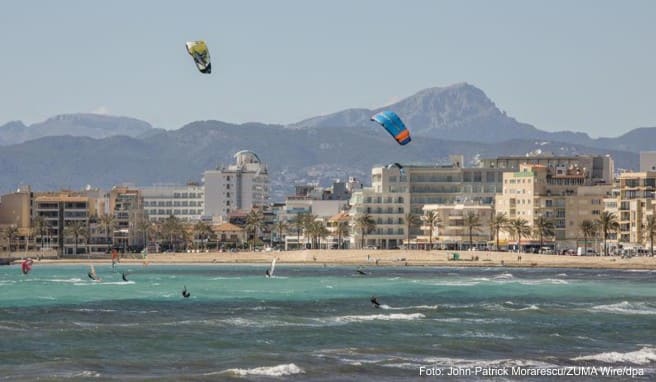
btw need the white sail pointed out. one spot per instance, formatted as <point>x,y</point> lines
<point>273,266</point>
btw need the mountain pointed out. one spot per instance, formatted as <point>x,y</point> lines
<point>83,125</point>
<point>463,112</point>
<point>292,155</point>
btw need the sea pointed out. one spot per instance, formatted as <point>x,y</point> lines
<point>316,323</point>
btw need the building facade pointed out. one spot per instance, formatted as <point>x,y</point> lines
<point>240,186</point>
<point>185,202</point>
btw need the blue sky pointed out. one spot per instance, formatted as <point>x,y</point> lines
<point>560,65</point>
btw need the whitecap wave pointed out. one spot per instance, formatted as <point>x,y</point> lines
<point>543,282</point>
<point>425,307</point>
<point>382,317</point>
<point>504,276</point>
<point>643,356</point>
<point>71,280</point>
<point>625,307</point>
<point>269,371</point>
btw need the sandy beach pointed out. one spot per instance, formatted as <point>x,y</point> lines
<point>369,258</point>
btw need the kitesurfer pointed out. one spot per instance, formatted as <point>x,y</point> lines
<point>26,265</point>
<point>185,293</point>
<point>374,301</point>
<point>123,276</point>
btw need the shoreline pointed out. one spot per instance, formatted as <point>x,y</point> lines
<point>382,258</point>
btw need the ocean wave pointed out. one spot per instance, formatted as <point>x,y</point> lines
<point>478,334</point>
<point>543,282</point>
<point>643,356</point>
<point>427,307</point>
<point>269,371</point>
<point>382,317</point>
<point>71,280</point>
<point>504,276</point>
<point>625,307</point>
<point>475,320</point>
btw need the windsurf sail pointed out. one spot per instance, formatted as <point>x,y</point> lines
<point>273,267</point>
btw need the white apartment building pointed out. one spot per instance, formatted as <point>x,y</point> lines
<point>185,202</point>
<point>239,186</point>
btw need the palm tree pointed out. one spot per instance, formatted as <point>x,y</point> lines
<point>172,229</point>
<point>39,227</point>
<point>254,222</point>
<point>10,233</point>
<point>607,223</point>
<point>365,224</point>
<point>317,231</point>
<point>589,229</point>
<point>650,227</point>
<point>342,229</point>
<point>431,219</point>
<point>499,222</point>
<point>297,222</point>
<point>472,222</point>
<point>308,221</point>
<point>202,231</point>
<point>411,220</point>
<point>519,228</point>
<point>76,229</point>
<point>144,226</point>
<point>543,226</point>
<point>280,226</point>
<point>108,223</point>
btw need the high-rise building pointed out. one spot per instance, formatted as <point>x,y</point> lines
<point>127,208</point>
<point>240,186</point>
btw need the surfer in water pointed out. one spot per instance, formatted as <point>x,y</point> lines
<point>123,276</point>
<point>375,302</point>
<point>185,293</point>
<point>361,272</point>
<point>267,273</point>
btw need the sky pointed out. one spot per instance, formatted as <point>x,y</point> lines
<point>585,65</point>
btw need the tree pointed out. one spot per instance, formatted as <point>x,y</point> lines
<point>280,226</point>
<point>589,229</point>
<point>297,222</point>
<point>431,219</point>
<point>341,229</point>
<point>76,229</point>
<point>317,231</point>
<point>108,223</point>
<point>254,223</point>
<point>472,222</point>
<point>202,232</point>
<point>519,228</point>
<point>411,220</point>
<point>607,223</point>
<point>365,224</point>
<point>10,234</point>
<point>38,229</point>
<point>499,222</point>
<point>144,226</point>
<point>543,226</point>
<point>308,221</point>
<point>650,227</point>
<point>172,229</point>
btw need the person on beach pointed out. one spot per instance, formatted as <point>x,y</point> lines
<point>375,302</point>
<point>185,293</point>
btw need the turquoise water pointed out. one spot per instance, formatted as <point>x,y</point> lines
<point>316,323</point>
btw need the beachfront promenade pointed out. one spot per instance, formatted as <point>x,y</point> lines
<point>373,258</point>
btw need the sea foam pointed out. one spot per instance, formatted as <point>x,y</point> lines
<point>643,356</point>
<point>269,371</point>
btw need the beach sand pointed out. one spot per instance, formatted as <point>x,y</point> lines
<point>389,258</point>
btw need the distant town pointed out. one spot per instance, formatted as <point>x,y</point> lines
<point>540,203</point>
